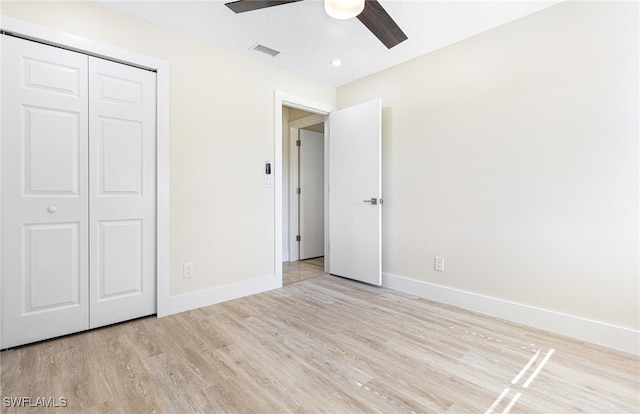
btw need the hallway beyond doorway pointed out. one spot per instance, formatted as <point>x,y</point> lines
<point>302,269</point>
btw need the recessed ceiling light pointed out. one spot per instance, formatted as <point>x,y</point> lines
<point>336,62</point>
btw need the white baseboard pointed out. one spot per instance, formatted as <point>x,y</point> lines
<point>616,337</point>
<point>189,301</point>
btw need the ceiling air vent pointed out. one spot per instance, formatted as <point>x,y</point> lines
<point>265,50</point>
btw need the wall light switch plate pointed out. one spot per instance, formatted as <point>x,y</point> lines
<point>268,174</point>
<point>268,180</point>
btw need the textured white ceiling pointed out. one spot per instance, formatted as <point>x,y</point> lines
<point>309,40</point>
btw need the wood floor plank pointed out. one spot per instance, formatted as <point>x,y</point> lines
<point>322,345</point>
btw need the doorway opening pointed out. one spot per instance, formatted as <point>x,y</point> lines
<point>353,164</point>
<point>284,102</point>
<point>303,194</point>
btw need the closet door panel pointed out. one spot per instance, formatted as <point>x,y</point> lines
<point>119,258</point>
<point>122,192</point>
<point>51,143</point>
<point>120,151</point>
<point>52,267</point>
<point>44,192</point>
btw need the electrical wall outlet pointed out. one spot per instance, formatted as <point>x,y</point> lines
<point>439,264</point>
<point>187,270</point>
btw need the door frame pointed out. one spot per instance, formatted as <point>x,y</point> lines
<point>52,37</point>
<point>285,99</point>
<point>294,163</point>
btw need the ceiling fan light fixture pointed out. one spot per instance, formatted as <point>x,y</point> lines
<point>343,9</point>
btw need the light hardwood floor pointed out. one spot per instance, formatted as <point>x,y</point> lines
<point>304,269</point>
<point>322,345</point>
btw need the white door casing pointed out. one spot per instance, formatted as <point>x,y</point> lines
<point>355,177</point>
<point>311,197</point>
<point>122,192</point>
<point>44,192</point>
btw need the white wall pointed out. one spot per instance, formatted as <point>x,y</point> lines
<point>222,106</point>
<point>514,155</point>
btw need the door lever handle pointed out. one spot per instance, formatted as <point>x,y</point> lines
<point>373,201</point>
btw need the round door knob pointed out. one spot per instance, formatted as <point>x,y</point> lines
<point>52,209</point>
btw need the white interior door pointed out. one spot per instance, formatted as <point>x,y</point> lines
<point>355,191</point>
<point>122,192</point>
<point>44,192</point>
<point>311,197</point>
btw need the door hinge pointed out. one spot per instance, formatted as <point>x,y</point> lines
<point>298,238</point>
<point>298,143</point>
<point>298,190</point>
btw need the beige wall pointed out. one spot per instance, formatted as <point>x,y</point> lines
<point>222,131</point>
<point>514,155</point>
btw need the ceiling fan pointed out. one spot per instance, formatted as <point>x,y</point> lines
<point>373,16</point>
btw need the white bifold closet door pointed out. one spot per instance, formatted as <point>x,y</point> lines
<point>122,192</point>
<point>78,192</point>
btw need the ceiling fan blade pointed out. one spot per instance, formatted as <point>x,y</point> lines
<point>378,21</point>
<point>242,6</point>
